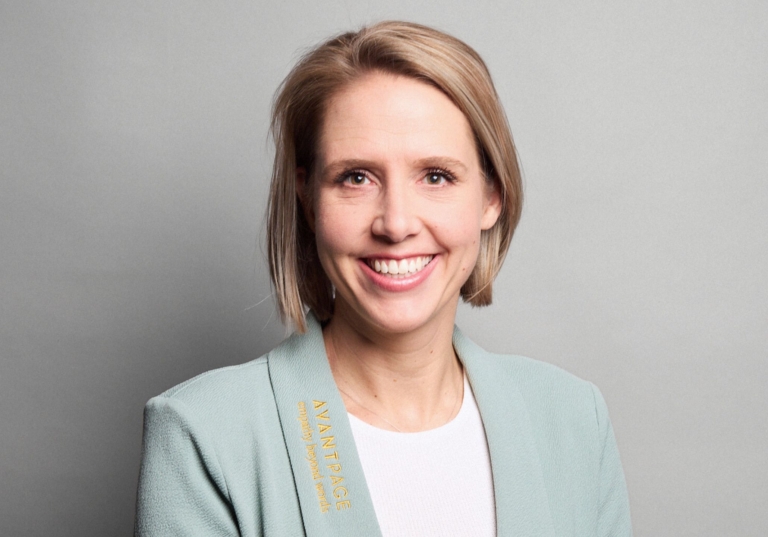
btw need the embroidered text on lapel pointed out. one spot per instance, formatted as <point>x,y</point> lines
<point>325,458</point>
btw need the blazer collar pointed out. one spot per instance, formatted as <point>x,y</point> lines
<point>522,504</point>
<point>327,472</point>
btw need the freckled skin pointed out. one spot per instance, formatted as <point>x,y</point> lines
<point>396,129</point>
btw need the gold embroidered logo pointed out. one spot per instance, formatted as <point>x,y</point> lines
<point>306,429</point>
<point>323,450</point>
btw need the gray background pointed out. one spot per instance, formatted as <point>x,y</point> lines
<point>134,163</point>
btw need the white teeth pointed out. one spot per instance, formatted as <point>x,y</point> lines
<point>402,267</point>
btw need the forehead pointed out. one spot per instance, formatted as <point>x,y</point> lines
<point>385,116</point>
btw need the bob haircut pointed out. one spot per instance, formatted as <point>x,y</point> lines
<point>398,48</point>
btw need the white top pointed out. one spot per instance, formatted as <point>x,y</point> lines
<point>431,483</point>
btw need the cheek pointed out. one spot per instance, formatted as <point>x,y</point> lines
<point>460,225</point>
<point>337,231</point>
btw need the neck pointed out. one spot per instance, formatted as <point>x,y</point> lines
<point>405,382</point>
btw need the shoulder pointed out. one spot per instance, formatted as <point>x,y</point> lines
<point>543,386</point>
<point>221,383</point>
<point>218,401</point>
<point>538,379</point>
<point>547,389</point>
<point>555,400</point>
<point>538,373</point>
<point>566,421</point>
<point>209,446</point>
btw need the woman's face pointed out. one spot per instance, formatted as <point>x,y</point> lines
<point>399,201</point>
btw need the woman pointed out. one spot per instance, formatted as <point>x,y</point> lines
<point>395,191</point>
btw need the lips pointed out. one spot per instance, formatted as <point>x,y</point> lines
<point>399,267</point>
<point>422,266</point>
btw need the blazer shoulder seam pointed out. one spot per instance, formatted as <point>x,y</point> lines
<point>175,391</point>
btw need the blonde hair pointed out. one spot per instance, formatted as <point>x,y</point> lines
<point>400,48</point>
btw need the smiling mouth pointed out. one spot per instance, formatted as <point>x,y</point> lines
<point>401,267</point>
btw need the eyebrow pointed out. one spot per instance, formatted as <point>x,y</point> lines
<point>426,162</point>
<point>442,162</point>
<point>347,164</point>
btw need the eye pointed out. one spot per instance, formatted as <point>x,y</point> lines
<point>354,178</point>
<point>438,177</point>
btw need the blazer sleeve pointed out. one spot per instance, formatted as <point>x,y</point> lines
<point>613,503</point>
<point>181,487</point>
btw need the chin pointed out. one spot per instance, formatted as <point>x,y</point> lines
<point>401,319</point>
<point>400,326</point>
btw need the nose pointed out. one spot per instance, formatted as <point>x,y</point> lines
<point>396,217</point>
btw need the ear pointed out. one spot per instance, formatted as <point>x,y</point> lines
<point>305,199</point>
<point>491,207</point>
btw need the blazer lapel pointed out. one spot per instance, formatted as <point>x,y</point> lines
<point>329,478</point>
<point>522,505</point>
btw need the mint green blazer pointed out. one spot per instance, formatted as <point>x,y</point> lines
<point>265,449</point>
